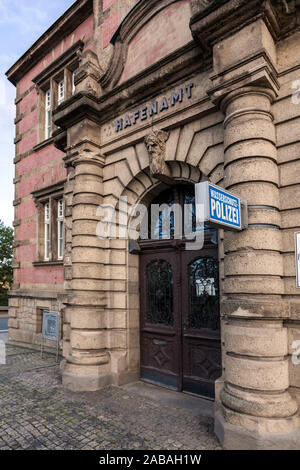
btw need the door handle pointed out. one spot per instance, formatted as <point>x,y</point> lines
<point>185,327</point>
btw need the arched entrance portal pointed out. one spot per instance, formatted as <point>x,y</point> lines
<point>179,291</point>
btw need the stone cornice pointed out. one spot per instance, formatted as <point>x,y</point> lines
<point>72,53</point>
<point>72,18</point>
<point>213,21</point>
<point>169,70</point>
<point>79,107</point>
<point>260,72</point>
<point>60,139</point>
<point>52,190</point>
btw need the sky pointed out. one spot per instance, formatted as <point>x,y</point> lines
<point>21,23</point>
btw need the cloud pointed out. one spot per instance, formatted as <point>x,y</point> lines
<point>22,15</point>
<point>30,18</point>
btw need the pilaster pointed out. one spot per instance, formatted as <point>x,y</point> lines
<point>256,394</point>
<point>255,409</point>
<point>86,367</point>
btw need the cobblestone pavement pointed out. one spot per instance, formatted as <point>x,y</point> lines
<point>37,413</point>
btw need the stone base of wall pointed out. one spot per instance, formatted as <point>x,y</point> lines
<point>295,392</point>
<point>25,316</point>
<point>238,438</point>
<point>92,378</point>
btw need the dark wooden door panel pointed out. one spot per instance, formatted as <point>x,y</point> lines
<point>201,365</point>
<point>179,292</point>
<point>160,360</point>
<point>201,343</point>
<point>180,324</point>
<point>160,353</point>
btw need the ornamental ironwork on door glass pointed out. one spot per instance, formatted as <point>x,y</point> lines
<point>160,293</point>
<point>204,294</point>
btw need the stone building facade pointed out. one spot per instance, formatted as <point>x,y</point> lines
<point>124,99</point>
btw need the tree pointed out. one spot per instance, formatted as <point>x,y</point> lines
<point>6,256</point>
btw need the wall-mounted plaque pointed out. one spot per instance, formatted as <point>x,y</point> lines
<point>50,325</point>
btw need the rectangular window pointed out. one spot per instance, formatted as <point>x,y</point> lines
<point>55,85</point>
<point>48,114</point>
<point>60,229</point>
<point>47,232</point>
<point>51,225</point>
<point>61,92</point>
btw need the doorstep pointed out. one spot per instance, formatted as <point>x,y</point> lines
<point>200,405</point>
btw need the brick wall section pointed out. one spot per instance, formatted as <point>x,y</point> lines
<point>26,209</point>
<point>28,102</point>
<point>37,169</point>
<point>84,32</point>
<point>28,122</point>
<point>107,4</point>
<point>165,33</point>
<point>31,275</point>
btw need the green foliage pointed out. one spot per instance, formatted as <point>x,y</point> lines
<point>6,256</point>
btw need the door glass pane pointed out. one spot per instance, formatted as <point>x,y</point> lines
<point>204,294</point>
<point>160,293</point>
<point>163,226</point>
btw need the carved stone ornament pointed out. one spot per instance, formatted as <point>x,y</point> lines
<point>87,76</point>
<point>156,145</point>
<point>200,5</point>
<point>83,156</point>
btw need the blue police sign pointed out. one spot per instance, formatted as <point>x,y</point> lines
<point>221,208</point>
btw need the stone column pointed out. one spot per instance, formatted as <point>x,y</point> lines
<point>256,409</point>
<point>87,364</point>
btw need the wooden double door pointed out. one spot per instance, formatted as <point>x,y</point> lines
<point>180,321</point>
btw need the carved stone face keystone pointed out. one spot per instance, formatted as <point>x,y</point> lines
<point>156,145</point>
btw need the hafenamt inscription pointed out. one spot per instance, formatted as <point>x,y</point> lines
<point>154,108</point>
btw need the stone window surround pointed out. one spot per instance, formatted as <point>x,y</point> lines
<point>61,69</point>
<point>51,194</point>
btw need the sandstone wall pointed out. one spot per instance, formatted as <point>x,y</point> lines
<point>287,118</point>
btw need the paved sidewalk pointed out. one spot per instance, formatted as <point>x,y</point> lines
<point>37,413</point>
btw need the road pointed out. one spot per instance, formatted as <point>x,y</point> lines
<point>3,323</point>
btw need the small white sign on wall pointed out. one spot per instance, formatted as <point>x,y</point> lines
<point>297,250</point>
<point>2,353</point>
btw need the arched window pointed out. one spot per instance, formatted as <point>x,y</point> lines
<point>172,215</point>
